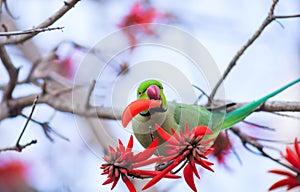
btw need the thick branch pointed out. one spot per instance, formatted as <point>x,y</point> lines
<point>12,72</point>
<point>18,104</point>
<point>57,103</point>
<point>57,15</point>
<point>274,106</point>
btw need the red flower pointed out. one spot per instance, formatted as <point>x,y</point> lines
<point>13,175</point>
<point>188,146</point>
<point>140,13</point>
<point>221,147</point>
<point>122,163</point>
<point>65,67</point>
<point>293,179</point>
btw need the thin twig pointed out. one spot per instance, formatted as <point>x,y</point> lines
<point>235,153</point>
<point>28,119</point>
<point>47,128</point>
<point>245,139</point>
<point>29,31</point>
<point>49,21</point>
<point>270,18</point>
<point>234,60</point>
<point>259,126</point>
<point>18,147</point>
<point>8,10</point>
<point>286,16</point>
<point>286,115</point>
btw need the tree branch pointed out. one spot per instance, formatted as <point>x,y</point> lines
<point>59,104</point>
<point>234,60</point>
<point>57,15</point>
<point>273,106</point>
<point>88,98</point>
<point>286,16</point>
<point>30,31</point>
<point>18,147</point>
<point>245,139</point>
<point>12,72</point>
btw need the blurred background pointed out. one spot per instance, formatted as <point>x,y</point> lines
<point>73,164</point>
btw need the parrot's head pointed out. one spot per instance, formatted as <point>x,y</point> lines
<point>152,90</point>
<point>150,99</point>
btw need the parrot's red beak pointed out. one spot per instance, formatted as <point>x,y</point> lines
<point>136,107</point>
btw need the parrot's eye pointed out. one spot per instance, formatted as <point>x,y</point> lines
<point>140,93</point>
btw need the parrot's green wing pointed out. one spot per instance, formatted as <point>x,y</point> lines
<point>239,114</point>
<point>193,114</point>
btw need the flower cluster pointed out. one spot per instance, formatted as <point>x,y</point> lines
<point>122,162</point>
<point>188,147</point>
<point>292,179</point>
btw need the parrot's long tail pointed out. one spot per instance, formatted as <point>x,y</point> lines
<point>239,114</point>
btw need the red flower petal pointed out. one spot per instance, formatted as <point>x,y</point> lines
<point>147,162</point>
<point>130,144</point>
<point>293,185</point>
<point>158,177</point>
<point>186,128</point>
<point>115,182</point>
<point>281,172</point>
<point>128,183</point>
<point>171,152</point>
<point>147,152</point>
<point>284,182</point>
<point>121,146</point>
<point>111,149</point>
<point>108,181</point>
<point>169,158</point>
<point>189,177</point>
<point>153,173</point>
<point>291,157</point>
<point>202,130</point>
<point>175,134</point>
<point>166,136</point>
<point>297,148</point>
<point>205,164</point>
<point>192,164</point>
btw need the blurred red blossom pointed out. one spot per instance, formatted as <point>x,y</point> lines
<point>122,162</point>
<point>188,147</point>
<point>13,175</point>
<point>222,147</point>
<point>68,55</point>
<point>292,180</point>
<point>142,15</point>
<point>65,66</point>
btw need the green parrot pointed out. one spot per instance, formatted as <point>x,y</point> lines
<point>151,108</point>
